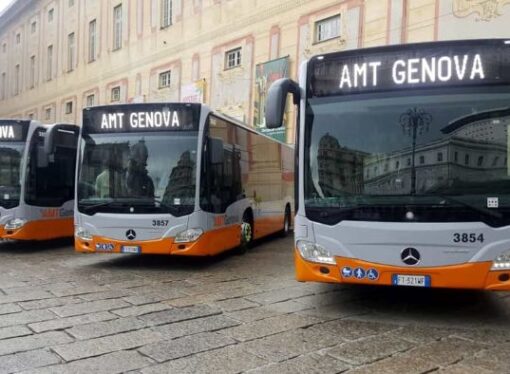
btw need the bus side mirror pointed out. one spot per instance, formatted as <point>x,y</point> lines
<point>277,98</point>
<point>60,135</point>
<point>216,150</point>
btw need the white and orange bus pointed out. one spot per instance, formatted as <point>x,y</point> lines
<point>37,168</point>
<point>177,179</point>
<point>403,165</point>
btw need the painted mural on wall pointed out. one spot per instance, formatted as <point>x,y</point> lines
<point>265,74</point>
<point>473,19</point>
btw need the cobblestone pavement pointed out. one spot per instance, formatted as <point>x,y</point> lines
<point>62,312</point>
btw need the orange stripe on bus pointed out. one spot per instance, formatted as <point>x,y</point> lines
<point>268,225</point>
<point>41,230</point>
<point>475,275</point>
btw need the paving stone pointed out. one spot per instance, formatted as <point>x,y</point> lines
<point>63,323</point>
<point>78,290</point>
<point>495,359</point>
<point>284,346</point>
<point>447,351</point>
<point>111,363</point>
<point>422,334</point>
<point>104,295</point>
<point>22,318</point>
<point>27,360</point>
<point>463,369</point>
<point>348,329</point>
<point>179,314</point>
<point>106,344</point>
<point>252,314</point>
<point>285,307</point>
<point>398,364</point>
<point>89,307</point>
<point>25,296</point>
<point>194,326</point>
<point>231,305</point>
<point>14,331</point>
<point>227,360</point>
<point>9,308</point>
<point>26,343</point>
<point>369,350</point>
<point>49,303</point>
<point>98,329</point>
<point>268,326</point>
<point>308,364</point>
<point>279,295</point>
<point>185,346</point>
<point>139,310</point>
<point>195,300</point>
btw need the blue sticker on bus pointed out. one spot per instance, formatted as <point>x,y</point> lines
<point>359,273</point>
<point>372,274</point>
<point>347,272</point>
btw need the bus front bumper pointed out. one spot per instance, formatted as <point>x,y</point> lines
<point>210,243</point>
<point>40,230</point>
<point>463,276</point>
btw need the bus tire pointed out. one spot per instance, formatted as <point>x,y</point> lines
<point>286,222</point>
<point>246,232</point>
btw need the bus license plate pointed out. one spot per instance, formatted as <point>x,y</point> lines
<point>131,249</point>
<point>411,280</point>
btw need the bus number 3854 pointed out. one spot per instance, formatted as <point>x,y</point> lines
<point>468,237</point>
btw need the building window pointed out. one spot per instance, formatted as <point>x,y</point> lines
<point>164,79</point>
<point>3,89</point>
<point>466,160</point>
<point>166,13</point>
<point>409,161</point>
<point>49,63</point>
<point>69,107</point>
<point>117,27</point>
<point>50,15</point>
<point>327,29</point>
<point>16,80</point>
<point>31,116</point>
<point>456,157</point>
<point>4,47</point>
<point>422,160</point>
<point>33,27</point>
<point>91,100</point>
<point>440,157</point>
<point>92,40</point>
<point>397,165</point>
<point>70,52</point>
<point>495,161</point>
<point>18,38</point>
<point>480,161</point>
<point>115,94</point>
<point>32,72</point>
<point>71,3</point>
<point>47,114</point>
<point>233,58</point>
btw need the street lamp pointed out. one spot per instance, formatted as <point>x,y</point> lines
<point>414,122</point>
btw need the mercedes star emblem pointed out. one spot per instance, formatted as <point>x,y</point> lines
<point>410,256</point>
<point>131,234</point>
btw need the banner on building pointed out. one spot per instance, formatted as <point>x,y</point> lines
<point>193,92</point>
<point>265,74</point>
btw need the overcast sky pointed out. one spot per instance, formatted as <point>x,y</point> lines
<point>4,3</point>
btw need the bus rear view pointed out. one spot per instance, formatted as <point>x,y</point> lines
<point>404,176</point>
<point>37,168</point>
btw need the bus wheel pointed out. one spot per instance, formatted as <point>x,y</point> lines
<point>286,222</point>
<point>246,232</point>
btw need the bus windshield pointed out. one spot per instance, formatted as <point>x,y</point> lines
<point>139,172</point>
<point>426,155</point>
<point>10,164</point>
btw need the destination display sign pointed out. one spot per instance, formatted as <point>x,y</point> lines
<point>410,67</point>
<point>141,118</point>
<point>13,130</point>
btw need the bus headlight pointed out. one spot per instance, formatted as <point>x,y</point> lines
<point>15,224</point>
<point>502,262</point>
<point>314,252</point>
<point>82,233</point>
<point>188,236</point>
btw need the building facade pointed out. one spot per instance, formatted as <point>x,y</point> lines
<point>59,56</point>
